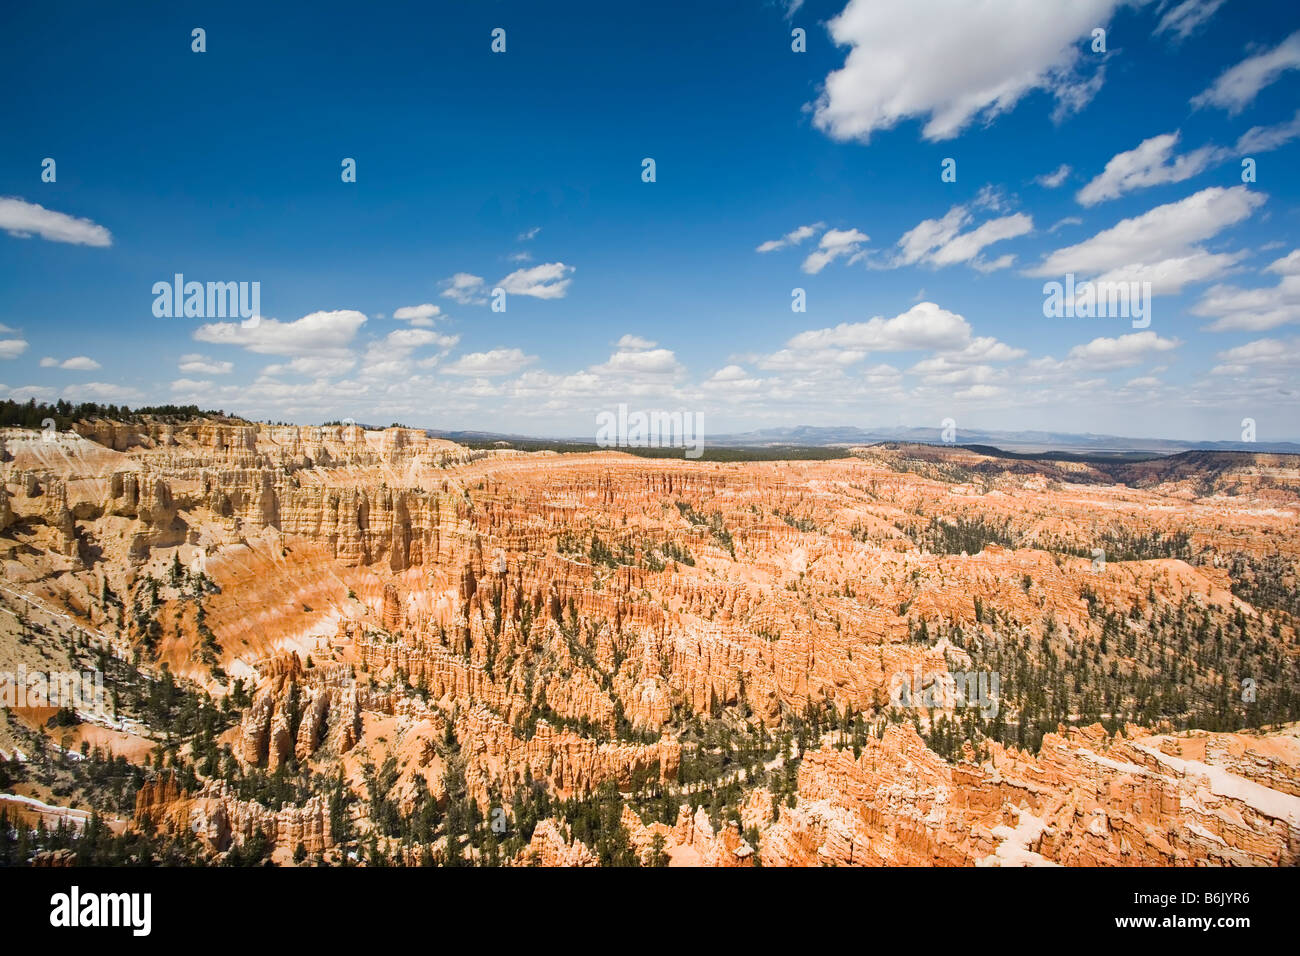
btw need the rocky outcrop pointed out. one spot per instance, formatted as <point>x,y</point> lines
<point>221,820</point>
<point>297,711</point>
<point>1085,800</point>
<point>569,763</point>
<point>6,511</point>
<point>551,846</point>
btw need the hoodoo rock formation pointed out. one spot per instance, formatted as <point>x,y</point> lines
<point>403,649</point>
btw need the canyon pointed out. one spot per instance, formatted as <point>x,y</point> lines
<point>341,645</point>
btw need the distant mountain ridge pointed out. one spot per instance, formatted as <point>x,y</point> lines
<point>846,435</point>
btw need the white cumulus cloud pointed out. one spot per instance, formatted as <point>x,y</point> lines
<point>1237,87</point>
<point>317,332</point>
<point>923,326</point>
<point>1235,309</point>
<point>1184,19</point>
<point>834,244</point>
<point>465,288</point>
<point>1055,178</point>
<point>1121,352</point>
<point>635,342</point>
<point>952,62</point>
<point>941,242</point>
<point>791,238</point>
<point>196,364</point>
<point>1262,353</point>
<point>550,280</point>
<point>422,315</point>
<point>25,219</point>
<point>1161,243</point>
<point>490,363</point>
<point>1261,139</point>
<point>79,363</point>
<point>1150,163</point>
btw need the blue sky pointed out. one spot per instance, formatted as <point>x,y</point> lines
<point>522,171</point>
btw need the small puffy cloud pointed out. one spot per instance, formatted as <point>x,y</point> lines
<point>1262,139</point>
<point>25,219</point>
<point>833,244</point>
<point>1150,163</point>
<point>729,373</point>
<point>422,315</point>
<point>195,364</point>
<point>79,363</point>
<point>491,363</point>
<point>465,288</point>
<point>791,238</point>
<point>1121,352</point>
<point>1055,178</point>
<point>940,242</point>
<point>992,198</point>
<point>930,234</point>
<point>993,265</point>
<point>1262,353</point>
<point>12,348</point>
<point>641,362</point>
<point>550,280</point>
<point>732,381</point>
<point>966,246</point>
<point>1237,87</point>
<point>635,342</point>
<point>407,339</point>
<point>317,332</point>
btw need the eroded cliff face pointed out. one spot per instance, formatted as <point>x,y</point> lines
<point>502,624</point>
<point>299,714</point>
<point>1084,800</point>
<point>220,820</point>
